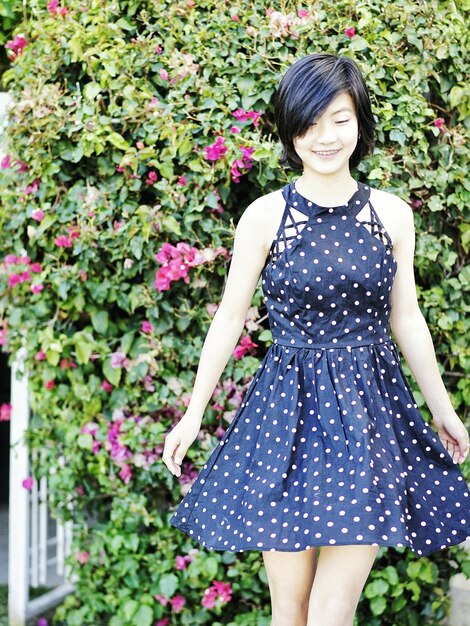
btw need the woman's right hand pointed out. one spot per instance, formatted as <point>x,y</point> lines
<point>178,440</point>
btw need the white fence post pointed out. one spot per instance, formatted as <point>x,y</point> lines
<point>18,576</point>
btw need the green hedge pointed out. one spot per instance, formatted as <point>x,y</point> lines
<point>119,108</point>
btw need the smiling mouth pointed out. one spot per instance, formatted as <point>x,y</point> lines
<point>326,152</point>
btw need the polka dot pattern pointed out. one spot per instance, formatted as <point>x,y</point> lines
<point>328,446</point>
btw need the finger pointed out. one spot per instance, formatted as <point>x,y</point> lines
<point>169,457</point>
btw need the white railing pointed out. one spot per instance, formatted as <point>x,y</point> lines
<point>29,563</point>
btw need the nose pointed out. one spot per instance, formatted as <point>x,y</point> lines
<point>326,135</point>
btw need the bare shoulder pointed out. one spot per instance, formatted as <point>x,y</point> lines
<point>395,213</point>
<point>264,215</point>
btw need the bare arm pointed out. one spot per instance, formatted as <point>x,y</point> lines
<point>414,339</point>
<point>248,257</point>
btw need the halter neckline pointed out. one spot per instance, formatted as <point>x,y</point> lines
<point>356,197</point>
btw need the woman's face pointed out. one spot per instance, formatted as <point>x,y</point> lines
<point>330,141</point>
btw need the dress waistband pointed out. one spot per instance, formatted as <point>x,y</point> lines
<point>330,346</point>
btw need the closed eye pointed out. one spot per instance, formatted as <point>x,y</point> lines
<point>342,122</point>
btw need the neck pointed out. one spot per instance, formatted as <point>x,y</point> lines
<point>324,189</point>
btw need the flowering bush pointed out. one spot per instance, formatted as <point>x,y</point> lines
<point>138,133</point>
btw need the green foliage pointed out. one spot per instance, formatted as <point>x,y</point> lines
<point>114,102</point>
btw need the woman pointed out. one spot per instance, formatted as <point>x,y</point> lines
<point>328,450</point>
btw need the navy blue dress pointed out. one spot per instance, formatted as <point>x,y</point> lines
<point>328,446</point>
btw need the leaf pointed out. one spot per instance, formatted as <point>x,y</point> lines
<point>85,441</point>
<point>358,43</point>
<point>75,46</point>
<point>100,320</point>
<point>130,609</point>
<point>84,345</point>
<point>112,374</point>
<point>168,584</point>
<point>136,245</point>
<point>378,605</point>
<point>144,616</point>
<point>171,224</point>
<point>118,141</point>
<point>210,566</point>
<point>91,90</point>
<point>265,335</point>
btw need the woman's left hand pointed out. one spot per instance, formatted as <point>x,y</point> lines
<point>453,435</point>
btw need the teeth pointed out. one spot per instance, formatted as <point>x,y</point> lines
<point>327,153</point>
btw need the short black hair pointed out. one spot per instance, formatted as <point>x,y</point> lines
<point>307,89</point>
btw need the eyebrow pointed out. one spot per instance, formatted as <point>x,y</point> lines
<point>342,109</point>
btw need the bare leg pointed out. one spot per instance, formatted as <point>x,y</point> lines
<point>290,577</point>
<point>340,577</point>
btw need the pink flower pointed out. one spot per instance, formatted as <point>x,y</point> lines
<point>158,49</point>
<point>163,622</point>
<point>147,327</point>
<point>161,598</point>
<point>350,32</point>
<point>54,9</point>
<point>216,150</point>
<point>246,345</point>
<point>37,288</point>
<point>67,364</point>
<point>177,261</point>
<point>119,359</point>
<point>182,181</point>
<point>245,163</point>
<point>177,603</point>
<point>3,336</point>
<point>163,74</point>
<point>35,268</point>
<point>180,562</point>
<point>243,116</point>
<point>235,130</point>
<point>5,412</point>
<point>42,621</point>
<point>82,556</point>
<point>152,177</point>
<point>23,167</point>
<point>125,474</point>
<point>38,215</point>
<point>439,122</point>
<point>140,145</point>
<point>33,187</point>
<point>28,483</point>
<point>49,384</point>
<point>91,428</point>
<point>235,18</point>
<point>17,45</point>
<point>218,591</point>
<point>63,241</point>
<point>162,282</point>
<point>107,386</point>
<point>5,162</point>
<point>14,279</point>
<point>212,308</point>
<point>303,13</point>
<point>40,356</point>
<point>74,231</point>
<point>11,259</point>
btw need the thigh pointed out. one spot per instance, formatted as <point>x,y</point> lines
<point>290,574</point>
<point>341,574</point>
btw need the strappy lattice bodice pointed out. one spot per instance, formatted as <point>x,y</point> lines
<point>338,267</point>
